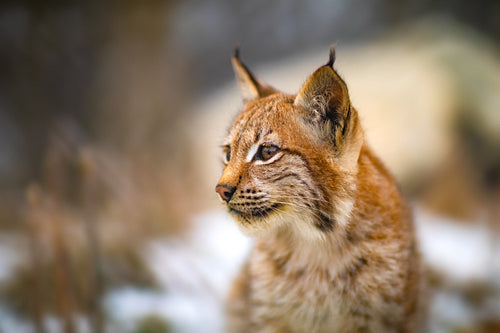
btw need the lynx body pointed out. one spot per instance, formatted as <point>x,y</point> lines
<point>335,249</point>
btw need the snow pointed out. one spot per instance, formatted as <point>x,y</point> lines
<point>10,256</point>
<point>195,270</point>
<point>194,273</point>
<point>198,269</point>
<point>10,323</point>
<point>184,312</point>
<point>448,309</point>
<point>462,251</point>
<point>204,260</point>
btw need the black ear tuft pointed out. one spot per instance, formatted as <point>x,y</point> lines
<point>325,94</point>
<point>251,88</point>
<point>237,51</point>
<point>331,61</point>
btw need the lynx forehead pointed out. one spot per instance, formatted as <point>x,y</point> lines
<point>335,249</point>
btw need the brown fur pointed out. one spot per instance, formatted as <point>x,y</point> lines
<point>335,249</point>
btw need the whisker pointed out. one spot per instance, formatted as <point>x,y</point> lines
<point>301,197</point>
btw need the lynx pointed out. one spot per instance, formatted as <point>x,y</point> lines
<point>335,247</point>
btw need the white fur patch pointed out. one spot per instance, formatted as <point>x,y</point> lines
<point>344,208</point>
<point>251,152</point>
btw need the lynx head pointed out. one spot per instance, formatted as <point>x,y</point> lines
<point>290,161</point>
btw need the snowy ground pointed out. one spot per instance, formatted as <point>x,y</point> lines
<point>465,256</point>
<point>198,269</point>
<point>195,271</point>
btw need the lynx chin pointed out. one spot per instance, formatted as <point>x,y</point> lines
<point>335,247</point>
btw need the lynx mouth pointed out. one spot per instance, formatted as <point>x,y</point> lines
<point>260,212</point>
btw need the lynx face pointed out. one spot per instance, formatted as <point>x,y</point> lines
<point>267,175</point>
<point>287,159</point>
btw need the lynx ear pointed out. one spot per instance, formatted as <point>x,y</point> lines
<point>325,96</point>
<point>250,87</point>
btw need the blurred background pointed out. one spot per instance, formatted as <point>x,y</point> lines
<point>111,114</point>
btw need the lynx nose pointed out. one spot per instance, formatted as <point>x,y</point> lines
<point>225,192</point>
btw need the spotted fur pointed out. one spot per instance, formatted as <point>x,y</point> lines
<point>335,249</point>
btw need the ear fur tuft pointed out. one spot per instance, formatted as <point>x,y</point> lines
<point>236,53</point>
<point>331,61</point>
<point>251,88</point>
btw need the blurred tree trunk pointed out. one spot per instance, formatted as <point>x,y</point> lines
<point>148,82</point>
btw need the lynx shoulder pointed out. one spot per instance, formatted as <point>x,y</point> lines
<point>335,249</point>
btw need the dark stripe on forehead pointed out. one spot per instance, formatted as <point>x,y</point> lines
<point>260,118</point>
<point>255,113</point>
<point>256,135</point>
<point>257,122</point>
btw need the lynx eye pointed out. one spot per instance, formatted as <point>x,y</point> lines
<point>266,151</point>
<point>227,154</point>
